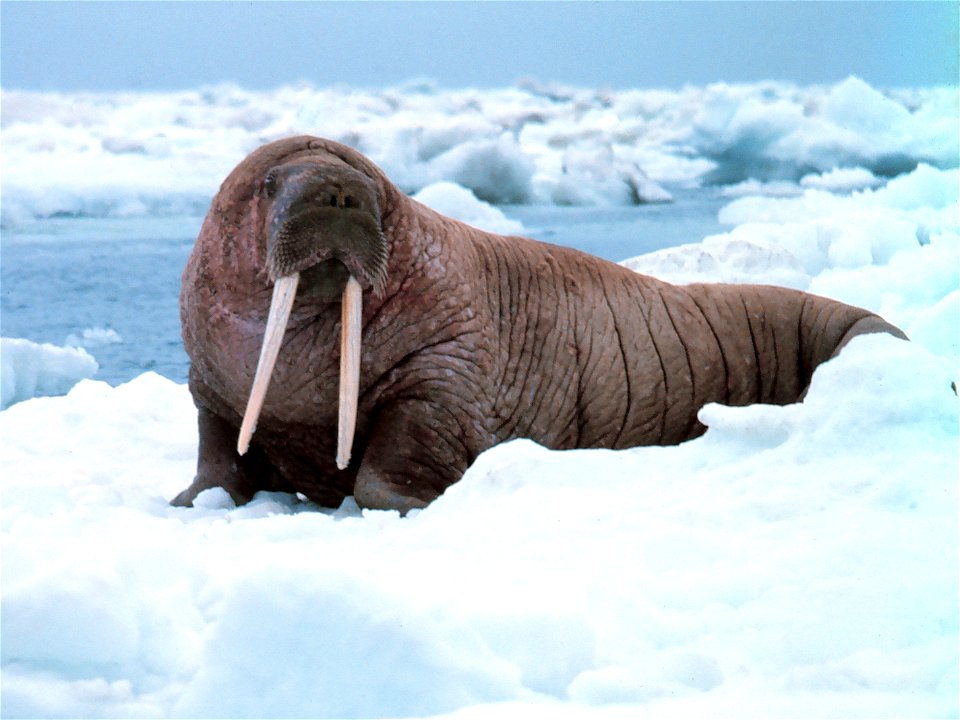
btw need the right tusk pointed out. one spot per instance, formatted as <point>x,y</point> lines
<point>350,316</point>
<point>284,291</point>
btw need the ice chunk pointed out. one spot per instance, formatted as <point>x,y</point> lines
<point>458,202</point>
<point>32,369</point>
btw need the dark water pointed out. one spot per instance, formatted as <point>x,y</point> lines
<point>64,275</point>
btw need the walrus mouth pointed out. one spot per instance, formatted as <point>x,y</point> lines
<point>284,292</point>
<point>317,235</point>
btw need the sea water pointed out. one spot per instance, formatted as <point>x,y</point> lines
<point>112,284</point>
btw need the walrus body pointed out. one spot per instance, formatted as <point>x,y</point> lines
<point>469,339</point>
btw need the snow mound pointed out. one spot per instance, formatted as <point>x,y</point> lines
<point>792,555</point>
<point>30,369</point>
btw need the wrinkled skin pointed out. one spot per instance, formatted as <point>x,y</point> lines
<point>469,339</point>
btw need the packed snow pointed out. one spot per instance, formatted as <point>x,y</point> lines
<point>797,561</point>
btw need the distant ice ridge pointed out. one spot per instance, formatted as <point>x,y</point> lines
<point>29,369</point>
<point>134,154</point>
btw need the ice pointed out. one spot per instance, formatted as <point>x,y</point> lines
<point>164,154</point>
<point>94,337</point>
<point>496,170</point>
<point>796,561</point>
<point>786,132</point>
<point>32,369</point>
<point>458,202</point>
<point>840,179</point>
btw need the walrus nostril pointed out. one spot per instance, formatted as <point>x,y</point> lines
<point>347,201</point>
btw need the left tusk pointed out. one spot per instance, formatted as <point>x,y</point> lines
<point>284,291</point>
<point>350,314</point>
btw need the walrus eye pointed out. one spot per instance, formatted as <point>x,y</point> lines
<point>270,185</point>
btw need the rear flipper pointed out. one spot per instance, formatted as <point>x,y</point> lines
<point>867,326</point>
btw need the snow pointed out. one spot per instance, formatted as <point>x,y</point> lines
<point>797,561</point>
<point>164,154</point>
<point>791,555</point>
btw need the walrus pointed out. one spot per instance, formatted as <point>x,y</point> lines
<point>347,340</point>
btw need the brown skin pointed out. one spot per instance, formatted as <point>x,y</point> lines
<point>469,338</point>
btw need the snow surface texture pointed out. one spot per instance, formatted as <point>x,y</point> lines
<point>794,561</point>
<point>149,154</point>
<point>797,561</point>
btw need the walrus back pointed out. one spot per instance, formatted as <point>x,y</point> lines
<point>605,357</point>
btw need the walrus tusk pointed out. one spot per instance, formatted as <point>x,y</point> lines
<point>350,313</point>
<point>284,290</point>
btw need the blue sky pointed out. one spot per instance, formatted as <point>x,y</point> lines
<point>170,45</point>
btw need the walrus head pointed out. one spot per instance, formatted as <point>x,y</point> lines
<point>323,235</point>
<point>323,221</point>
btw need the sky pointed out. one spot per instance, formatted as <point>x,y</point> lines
<point>73,46</point>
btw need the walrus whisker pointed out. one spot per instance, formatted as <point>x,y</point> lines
<point>350,314</point>
<point>284,291</point>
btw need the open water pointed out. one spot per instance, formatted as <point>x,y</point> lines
<point>63,275</point>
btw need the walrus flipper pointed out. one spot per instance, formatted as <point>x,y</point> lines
<point>219,465</point>
<point>412,456</point>
<point>868,325</point>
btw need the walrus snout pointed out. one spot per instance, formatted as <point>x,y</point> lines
<point>320,218</point>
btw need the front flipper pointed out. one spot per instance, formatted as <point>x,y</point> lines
<point>415,452</point>
<point>219,465</point>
